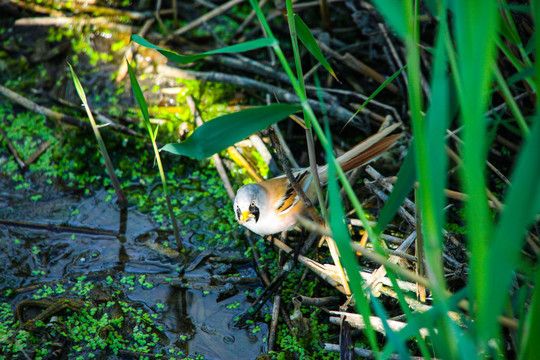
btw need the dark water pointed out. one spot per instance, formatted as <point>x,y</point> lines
<point>58,239</point>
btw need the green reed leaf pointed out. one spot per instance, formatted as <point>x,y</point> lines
<point>185,59</point>
<point>377,91</point>
<point>341,236</point>
<point>102,148</point>
<point>307,38</point>
<point>139,96</point>
<point>218,134</point>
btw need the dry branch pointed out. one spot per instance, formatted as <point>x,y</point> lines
<point>357,321</point>
<point>32,106</point>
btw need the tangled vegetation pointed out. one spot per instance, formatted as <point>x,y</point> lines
<point>451,276</point>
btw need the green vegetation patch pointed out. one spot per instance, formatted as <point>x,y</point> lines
<point>81,322</point>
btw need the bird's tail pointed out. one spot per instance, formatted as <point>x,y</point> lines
<point>364,152</point>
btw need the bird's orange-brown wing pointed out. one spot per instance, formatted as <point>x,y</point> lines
<point>282,195</point>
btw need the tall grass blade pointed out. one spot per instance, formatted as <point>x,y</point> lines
<point>144,109</point>
<point>520,65</point>
<point>514,107</point>
<point>428,141</point>
<point>476,52</point>
<point>507,26</point>
<point>102,148</point>
<point>530,344</point>
<point>433,162</point>
<point>342,238</point>
<point>185,59</point>
<point>222,132</point>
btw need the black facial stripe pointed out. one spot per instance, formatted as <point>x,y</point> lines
<point>255,211</point>
<point>238,213</point>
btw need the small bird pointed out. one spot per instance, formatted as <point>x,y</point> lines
<point>270,206</point>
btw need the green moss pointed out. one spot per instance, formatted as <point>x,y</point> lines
<point>92,330</point>
<point>308,346</point>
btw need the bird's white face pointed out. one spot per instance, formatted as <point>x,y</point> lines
<point>247,204</point>
<point>253,209</point>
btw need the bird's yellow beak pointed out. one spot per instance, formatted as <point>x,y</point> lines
<point>245,215</point>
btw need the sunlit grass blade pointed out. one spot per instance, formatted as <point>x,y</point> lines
<point>185,59</point>
<point>431,165</point>
<point>476,50</point>
<point>306,37</point>
<point>222,132</point>
<point>432,162</point>
<point>102,148</point>
<point>342,238</point>
<point>144,109</point>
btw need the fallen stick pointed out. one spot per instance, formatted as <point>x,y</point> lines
<point>30,105</point>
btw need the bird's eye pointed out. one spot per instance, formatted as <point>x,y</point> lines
<point>254,210</point>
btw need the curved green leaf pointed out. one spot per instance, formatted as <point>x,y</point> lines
<point>306,37</point>
<point>221,132</point>
<point>139,97</point>
<point>185,59</point>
